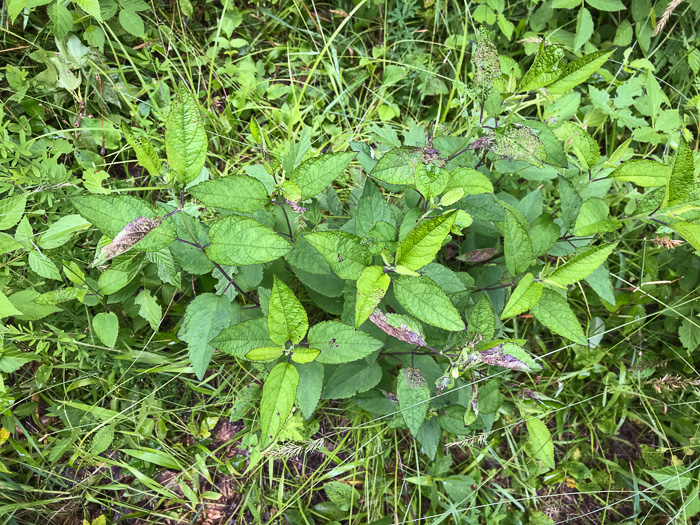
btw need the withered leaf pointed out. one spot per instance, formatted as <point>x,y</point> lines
<point>398,326</point>
<point>126,239</point>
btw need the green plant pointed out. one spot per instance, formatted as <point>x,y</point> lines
<point>280,237</point>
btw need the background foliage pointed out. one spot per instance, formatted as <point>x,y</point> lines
<point>117,406</point>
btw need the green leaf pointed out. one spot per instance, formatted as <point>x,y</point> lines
<point>277,400</point>
<point>102,440</point>
<point>509,355</point>
<point>340,343</point>
<point>425,300</point>
<point>111,214</point>
<point>413,395</point>
<point>106,327</point>
<point>554,312</point>
<point>157,457</point>
<point>470,181</point>
<point>239,241</point>
<point>61,18</point>
<point>540,442</point>
<point>344,252</point>
<point>399,165</point>
<point>594,217</point>
<point>690,232</point>
<point>241,338</point>
<point>671,477</point>
<point>29,310</point>
<point>313,175</point>
<point>582,265</point>
<point>578,71</point>
<point>149,309</point>
<point>61,231</point>
<point>11,211</point>
<point>485,62</point>
<point>205,317</point>
<point>311,379</point>
<point>524,297</point>
<point>517,245</point>
<point>8,243</point>
<point>91,7</point>
<point>185,138</point>
<point>482,320</point>
<point>518,142</point>
<point>371,287</point>
<point>431,180</point>
<point>43,266</point>
<point>544,70</point>
<point>145,154</point>
<point>424,241</point>
<point>607,5</point>
<point>682,174</point>
<point>490,397</point>
<point>7,309</point>
<point>645,173</point>
<point>131,22</point>
<point>303,355</point>
<point>543,234</point>
<point>584,28</point>
<point>235,192</point>
<point>352,378</point>
<point>600,281</point>
<point>582,144</point>
<point>265,353</point>
<point>287,320</point>
<point>61,295</point>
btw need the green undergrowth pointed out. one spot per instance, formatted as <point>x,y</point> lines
<point>388,262</point>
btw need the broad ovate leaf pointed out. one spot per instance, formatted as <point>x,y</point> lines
<point>425,300</point>
<point>544,70</point>
<point>340,343</point>
<point>344,252</point>
<point>239,241</point>
<point>398,166</point>
<point>106,327</point>
<point>111,214</point>
<point>413,395</point>
<point>524,297</point>
<point>553,311</point>
<point>287,320</point>
<point>313,175</point>
<point>594,217</point>
<point>517,245</point>
<point>205,317</point>
<point>424,241</point>
<point>578,71</point>
<point>518,142</point>
<point>582,265</point>
<point>277,401</point>
<point>645,173</point>
<point>235,192</point>
<point>241,338</point>
<point>371,287</point>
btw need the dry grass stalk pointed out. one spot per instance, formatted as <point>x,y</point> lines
<point>667,14</point>
<point>669,382</point>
